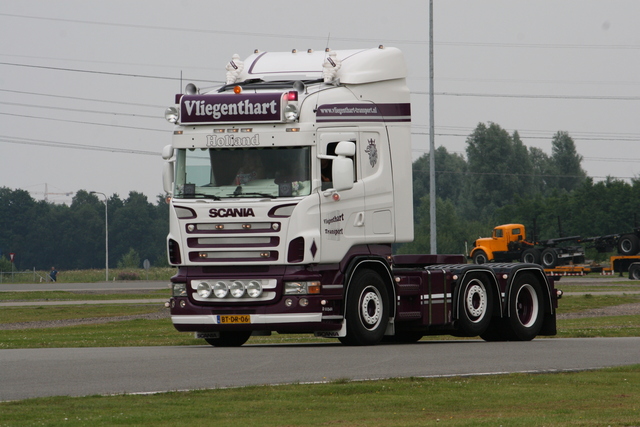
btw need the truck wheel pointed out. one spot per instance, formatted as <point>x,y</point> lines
<point>480,257</point>
<point>628,244</point>
<point>475,305</point>
<point>549,258</point>
<point>526,311</point>
<point>367,309</point>
<point>229,339</point>
<point>634,271</point>
<point>531,256</point>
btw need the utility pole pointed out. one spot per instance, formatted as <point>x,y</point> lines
<point>106,234</point>
<point>432,141</point>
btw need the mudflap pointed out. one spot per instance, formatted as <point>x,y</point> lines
<point>549,325</point>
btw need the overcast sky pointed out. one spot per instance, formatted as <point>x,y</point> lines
<point>84,84</point>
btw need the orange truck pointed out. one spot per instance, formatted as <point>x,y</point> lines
<point>509,243</point>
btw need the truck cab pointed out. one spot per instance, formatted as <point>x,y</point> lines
<point>501,246</point>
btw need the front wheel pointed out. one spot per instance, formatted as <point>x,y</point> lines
<point>526,310</point>
<point>480,257</point>
<point>367,309</point>
<point>230,339</point>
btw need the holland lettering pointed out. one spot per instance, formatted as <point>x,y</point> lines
<point>232,141</point>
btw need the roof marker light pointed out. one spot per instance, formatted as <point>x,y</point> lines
<point>237,89</point>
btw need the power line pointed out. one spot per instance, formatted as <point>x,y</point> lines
<point>107,73</point>
<point>323,37</point>
<point>93,61</point>
<point>58,144</point>
<point>81,122</point>
<point>504,95</point>
<point>80,99</point>
<point>79,110</point>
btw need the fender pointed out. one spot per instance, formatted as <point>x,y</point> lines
<point>546,291</point>
<point>494,289</point>
<point>486,250</point>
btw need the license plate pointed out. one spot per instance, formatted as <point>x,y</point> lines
<point>234,318</point>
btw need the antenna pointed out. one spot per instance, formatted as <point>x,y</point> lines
<point>326,48</point>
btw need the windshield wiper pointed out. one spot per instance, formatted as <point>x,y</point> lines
<point>206,196</point>
<point>240,194</point>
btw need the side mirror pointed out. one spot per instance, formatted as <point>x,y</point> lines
<point>167,152</point>
<point>167,177</point>
<point>346,149</point>
<point>342,173</point>
<point>343,166</point>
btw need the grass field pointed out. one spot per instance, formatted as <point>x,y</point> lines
<point>608,397</point>
<point>592,398</point>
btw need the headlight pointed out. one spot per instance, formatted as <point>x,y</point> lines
<point>179,290</point>
<point>220,289</point>
<point>301,288</point>
<point>204,289</point>
<point>236,289</point>
<point>171,114</point>
<point>254,289</point>
<point>290,113</point>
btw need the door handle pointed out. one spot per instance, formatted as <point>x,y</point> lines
<point>359,222</point>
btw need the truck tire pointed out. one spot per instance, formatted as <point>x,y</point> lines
<point>531,256</point>
<point>628,244</point>
<point>367,309</point>
<point>480,257</point>
<point>526,310</point>
<point>549,258</point>
<point>634,271</point>
<point>475,305</point>
<point>229,339</point>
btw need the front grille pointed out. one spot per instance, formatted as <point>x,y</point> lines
<point>233,242</point>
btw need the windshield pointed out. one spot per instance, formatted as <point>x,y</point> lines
<point>242,172</point>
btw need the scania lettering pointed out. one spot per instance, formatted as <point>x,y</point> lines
<point>288,187</point>
<point>232,212</point>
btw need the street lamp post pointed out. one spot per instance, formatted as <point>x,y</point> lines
<point>106,234</point>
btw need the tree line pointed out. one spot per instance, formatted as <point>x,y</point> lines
<point>72,237</point>
<point>499,181</point>
<point>502,181</point>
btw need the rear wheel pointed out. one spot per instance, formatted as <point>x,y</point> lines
<point>230,339</point>
<point>629,244</point>
<point>526,311</point>
<point>531,256</point>
<point>634,271</point>
<point>367,309</point>
<point>480,257</point>
<point>549,258</point>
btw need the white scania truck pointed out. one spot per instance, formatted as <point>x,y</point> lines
<point>288,186</point>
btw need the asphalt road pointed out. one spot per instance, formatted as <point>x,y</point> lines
<point>28,373</point>
<point>98,286</point>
